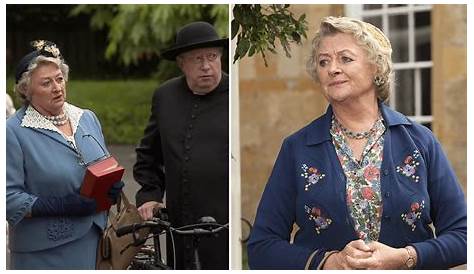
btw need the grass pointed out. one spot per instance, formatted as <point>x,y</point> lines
<point>122,106</point>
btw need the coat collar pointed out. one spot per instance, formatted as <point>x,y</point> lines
<point>318,130</point>
<point>30,118</point>
<point>33,119</point>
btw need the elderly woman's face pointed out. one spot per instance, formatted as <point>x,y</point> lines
<point>344,70</point>
<point>47,89</point>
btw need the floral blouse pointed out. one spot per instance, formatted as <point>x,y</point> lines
<point>364,200</point>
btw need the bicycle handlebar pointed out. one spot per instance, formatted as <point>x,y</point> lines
<point>200,231</point>
<point>136,226</point>
<point>195,229</point>
<point>205,226</point>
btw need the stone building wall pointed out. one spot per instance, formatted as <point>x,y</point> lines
<point>449,103</point>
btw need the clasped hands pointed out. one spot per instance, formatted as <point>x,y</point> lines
<point>373,255</point>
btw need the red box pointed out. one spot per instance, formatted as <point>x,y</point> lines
<point>99,178</point>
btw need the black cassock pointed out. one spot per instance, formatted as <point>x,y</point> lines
<point>185,151</point>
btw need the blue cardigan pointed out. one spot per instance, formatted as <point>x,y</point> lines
<point>413,196</point>
<point>41,163</point>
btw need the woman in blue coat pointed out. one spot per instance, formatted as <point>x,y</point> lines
<point>364,184</point>
<point>49,144</point>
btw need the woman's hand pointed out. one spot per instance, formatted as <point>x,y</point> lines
<point>385,257</point>
<point>350,257</point>
<point>147,210</point>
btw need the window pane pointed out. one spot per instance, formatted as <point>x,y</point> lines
<point>398,32</point>
<point>425,91</point>
<point>372,7</point>
<point>405,97</point>
<point>376,21</point>
<point>396,5</point>
<point>423,36</point>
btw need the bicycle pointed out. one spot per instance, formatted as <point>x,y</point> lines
<point>149,256</point>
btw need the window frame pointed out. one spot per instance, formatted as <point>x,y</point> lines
<point>357,11</point>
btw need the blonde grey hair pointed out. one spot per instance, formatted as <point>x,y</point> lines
<point>22,88</point>
<point>369,37</point>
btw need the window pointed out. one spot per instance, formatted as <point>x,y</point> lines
<point>409,29</point>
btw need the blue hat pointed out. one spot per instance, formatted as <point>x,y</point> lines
<point>41,47</point>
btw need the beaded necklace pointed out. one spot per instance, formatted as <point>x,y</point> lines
<point>356,135</point>
<point>57,120</point>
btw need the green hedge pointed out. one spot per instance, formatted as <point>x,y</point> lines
<point>123,107</point>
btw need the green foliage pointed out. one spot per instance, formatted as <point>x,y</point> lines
<point>137,32</point>
<point>258,26</point>
<point>123,107</point>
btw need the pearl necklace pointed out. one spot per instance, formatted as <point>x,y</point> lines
<point>57,120</point>
<point>356,135</point>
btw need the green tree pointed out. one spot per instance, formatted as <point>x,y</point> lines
<point>258,26</point>
<point>139,32</point>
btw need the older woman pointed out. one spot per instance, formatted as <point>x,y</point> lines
<point>363,182</point>
<point>49,143</point>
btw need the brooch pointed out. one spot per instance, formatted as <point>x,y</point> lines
<point>414,214</point>
<point>312,176</point>
<point>410,166</point>
<point>320,222</point>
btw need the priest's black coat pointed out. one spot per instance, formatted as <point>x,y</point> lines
<point>185,153</point>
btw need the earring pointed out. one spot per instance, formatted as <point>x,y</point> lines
<point>379,81</point>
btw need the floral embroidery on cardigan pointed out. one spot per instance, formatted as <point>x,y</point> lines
<point>312,176</point>
<point>414,214</point>
<point>410,166</point>
<point>320,221</point>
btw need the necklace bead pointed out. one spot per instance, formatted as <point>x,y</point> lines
<point>57,120</point>
<point>356,135</point>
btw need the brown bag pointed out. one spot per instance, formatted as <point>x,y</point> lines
<point>117,252</point>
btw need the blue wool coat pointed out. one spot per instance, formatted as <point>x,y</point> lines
<point>418,187</point>
<point>41,163</point>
